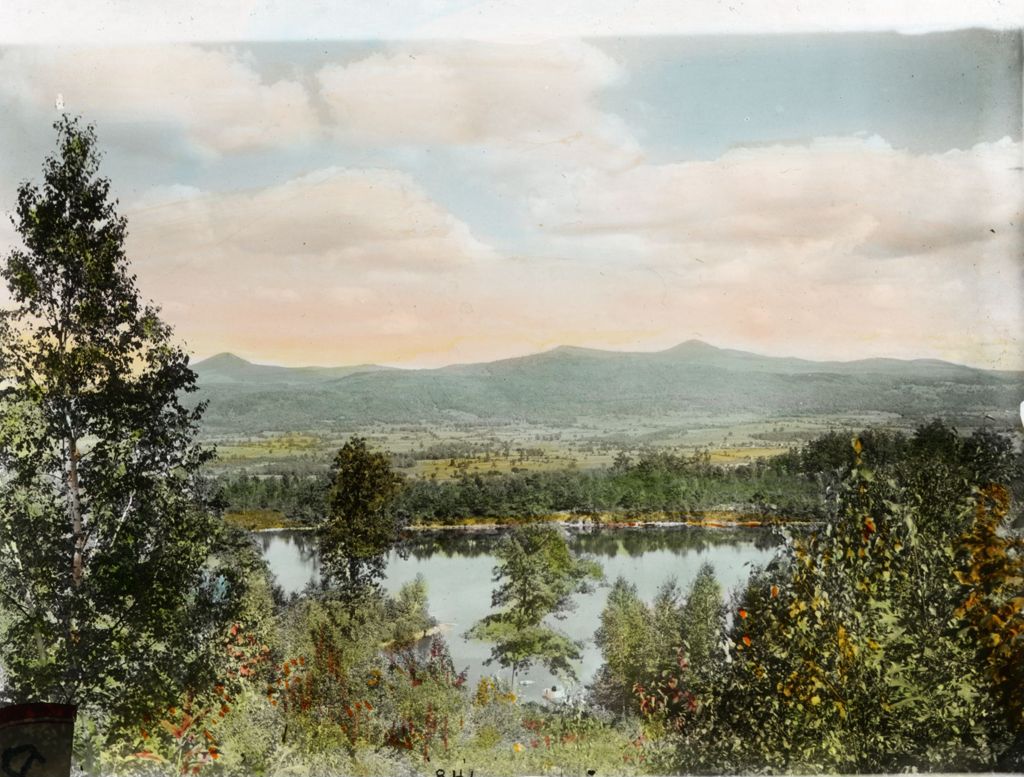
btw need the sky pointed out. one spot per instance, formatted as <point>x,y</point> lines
<point>418,202</point>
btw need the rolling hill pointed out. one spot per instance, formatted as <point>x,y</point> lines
<point>569,385</point>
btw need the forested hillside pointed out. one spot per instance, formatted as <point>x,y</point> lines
<point>570,385</point>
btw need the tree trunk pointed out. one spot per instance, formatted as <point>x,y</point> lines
<point>75,513</point>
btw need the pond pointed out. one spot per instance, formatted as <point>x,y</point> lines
<point>457,568</point>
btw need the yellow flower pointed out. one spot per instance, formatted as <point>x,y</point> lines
<point>517,748</point>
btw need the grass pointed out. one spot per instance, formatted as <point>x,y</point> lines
<point>742,455</point>
<point>283,446</point>
<point>258,520</point>
<point>580,444</point>
<point>444,469</point>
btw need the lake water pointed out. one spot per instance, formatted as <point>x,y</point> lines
<point>457,567</point>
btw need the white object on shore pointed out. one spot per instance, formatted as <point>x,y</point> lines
<point>554,695</point>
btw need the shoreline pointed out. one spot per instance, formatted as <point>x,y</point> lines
<point>707,519</point>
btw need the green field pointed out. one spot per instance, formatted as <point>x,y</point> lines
<point>420,450</point>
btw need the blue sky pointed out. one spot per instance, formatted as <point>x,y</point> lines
<point>422,202</point>
<point>697,97</point>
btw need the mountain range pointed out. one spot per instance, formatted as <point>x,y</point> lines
<point>570,385</point>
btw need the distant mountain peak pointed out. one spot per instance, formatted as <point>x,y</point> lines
<point>222,360</point>
<point>694,345</point>
<point>571,349</point>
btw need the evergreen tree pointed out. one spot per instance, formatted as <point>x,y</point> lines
<point>361,527</point>
<point>627,639</point>
<point>537,576</point>
<point>701,621</point>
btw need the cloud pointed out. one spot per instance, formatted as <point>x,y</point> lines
<point>867,251</point>
<point>855,196</point>
<point>320,223</point>
<point>339,261</point>
<point>470,93</point>
<point>213,95</point>
<point>834,248</point>
<point>838,247</point>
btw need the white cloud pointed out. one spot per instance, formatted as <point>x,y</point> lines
<point>361,262</point>
<point>512,96</point>
<point>855,196</point>
<point>214,96</point>
<point>321,223</point>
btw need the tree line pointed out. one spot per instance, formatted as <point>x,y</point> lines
<point>654,482</point>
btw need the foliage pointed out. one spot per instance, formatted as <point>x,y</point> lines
<point>428,697</point>
<point>886,638</point>
<point>847,654</point>
<point>536,577</point>
<point>326,701</point>
<point>651,651</point>
<point>361,526</point>
<point>993,577</point>
<point>260,520</point>
<point>105,532</point>
<point>657,482</point>
<point>701,620</point>
<point>625,639</point>
<point>297,497</point>
<point>409,614</point>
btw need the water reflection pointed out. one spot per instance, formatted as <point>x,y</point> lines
<point>595,541</point>
<point>292,557</point>
<point>457,566</point>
